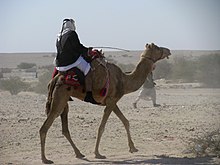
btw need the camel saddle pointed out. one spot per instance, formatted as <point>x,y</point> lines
<point>74,77</point>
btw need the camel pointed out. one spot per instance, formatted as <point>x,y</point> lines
<point>119,84</point>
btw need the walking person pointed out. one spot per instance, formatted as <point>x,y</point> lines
<point>148,91</point>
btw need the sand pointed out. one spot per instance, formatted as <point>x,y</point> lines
<point>161,134</point>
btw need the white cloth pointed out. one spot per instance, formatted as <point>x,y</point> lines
<point>66,27</point>
<point>147,94</point>
<point>80,64</point>
<point>69,26</point>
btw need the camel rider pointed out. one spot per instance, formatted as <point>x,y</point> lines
<point>71,53</point>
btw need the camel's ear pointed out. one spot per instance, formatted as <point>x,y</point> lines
<point>146,45</point>
<point>151,45</point>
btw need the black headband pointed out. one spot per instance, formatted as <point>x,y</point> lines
<point>66,20</point>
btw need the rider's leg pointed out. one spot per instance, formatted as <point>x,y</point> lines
<point>88,83</point>
<point>86,69</point>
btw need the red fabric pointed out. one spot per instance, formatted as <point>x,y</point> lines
<point>55,72</point>
<point>103,92</point>
<point>94,53</point>
<point>72,79</point>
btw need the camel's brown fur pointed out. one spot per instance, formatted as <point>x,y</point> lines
<point>120,84</point>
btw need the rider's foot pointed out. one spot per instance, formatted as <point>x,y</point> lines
<point>157,105</point>
<point>89,98</point>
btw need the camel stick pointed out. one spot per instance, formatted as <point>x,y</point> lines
<point>109,47</point>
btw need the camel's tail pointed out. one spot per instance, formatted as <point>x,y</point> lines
<point>51,85</point>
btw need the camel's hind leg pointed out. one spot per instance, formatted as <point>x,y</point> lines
<point>57,107</point>
<point>126,124</point>
<point>65,131</point>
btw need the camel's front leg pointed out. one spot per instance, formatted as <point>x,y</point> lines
<point>65,131</point>
<point>126,124</point>
<point>101,129</point>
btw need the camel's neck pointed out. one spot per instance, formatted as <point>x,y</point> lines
<point>135,80</point>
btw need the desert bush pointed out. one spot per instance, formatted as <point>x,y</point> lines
<point>207,144</point>
<point>126,67</point>
<point>183,69</point>
<point>163,70</point>
<point>6,70</point>
<point>204,69</point>
<point>41,86</point>
<point>49,68</point>
<point>1,74</point>
<point>208,70</point>
<point>14,85</point>
<point>25,65</point>
<point>33,69</point>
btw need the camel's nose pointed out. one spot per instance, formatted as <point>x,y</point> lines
<point>166,52</point>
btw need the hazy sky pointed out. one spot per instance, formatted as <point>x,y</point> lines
<point>32,25</point>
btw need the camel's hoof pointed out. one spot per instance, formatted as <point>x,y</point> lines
<point>99,156</point>
<point>46,161</point>
<point>133,150</point>
<point>80,156</point>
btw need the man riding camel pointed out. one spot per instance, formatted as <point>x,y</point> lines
<point>71,53</point>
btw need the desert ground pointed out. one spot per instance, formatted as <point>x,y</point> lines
<point>161,134</point>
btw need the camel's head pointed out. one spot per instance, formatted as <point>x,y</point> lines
<point>155,53</point>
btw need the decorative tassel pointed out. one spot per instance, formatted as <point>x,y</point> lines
<point>103,92</point>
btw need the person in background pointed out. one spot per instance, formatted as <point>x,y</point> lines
<point>148,90</point>
<point>71,53</point>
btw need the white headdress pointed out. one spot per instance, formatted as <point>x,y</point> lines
<point>68,25</point>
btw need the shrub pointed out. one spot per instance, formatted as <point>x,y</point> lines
<point>208,70</point>
<point>25,65</point>
<point>6,70</point>
<point>204,69</point>
<point>41,86</point>
<point>126,67</point>
<point>14,85</point>
<point>183,69</point>
<point>50,68</point>
<point>206,144</point>
<point>163,70</point>
<point>1,75</point>
<point>43,79</point>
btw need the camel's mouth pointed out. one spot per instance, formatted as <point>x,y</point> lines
<point>166,53</point>
<point>169,54</point>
